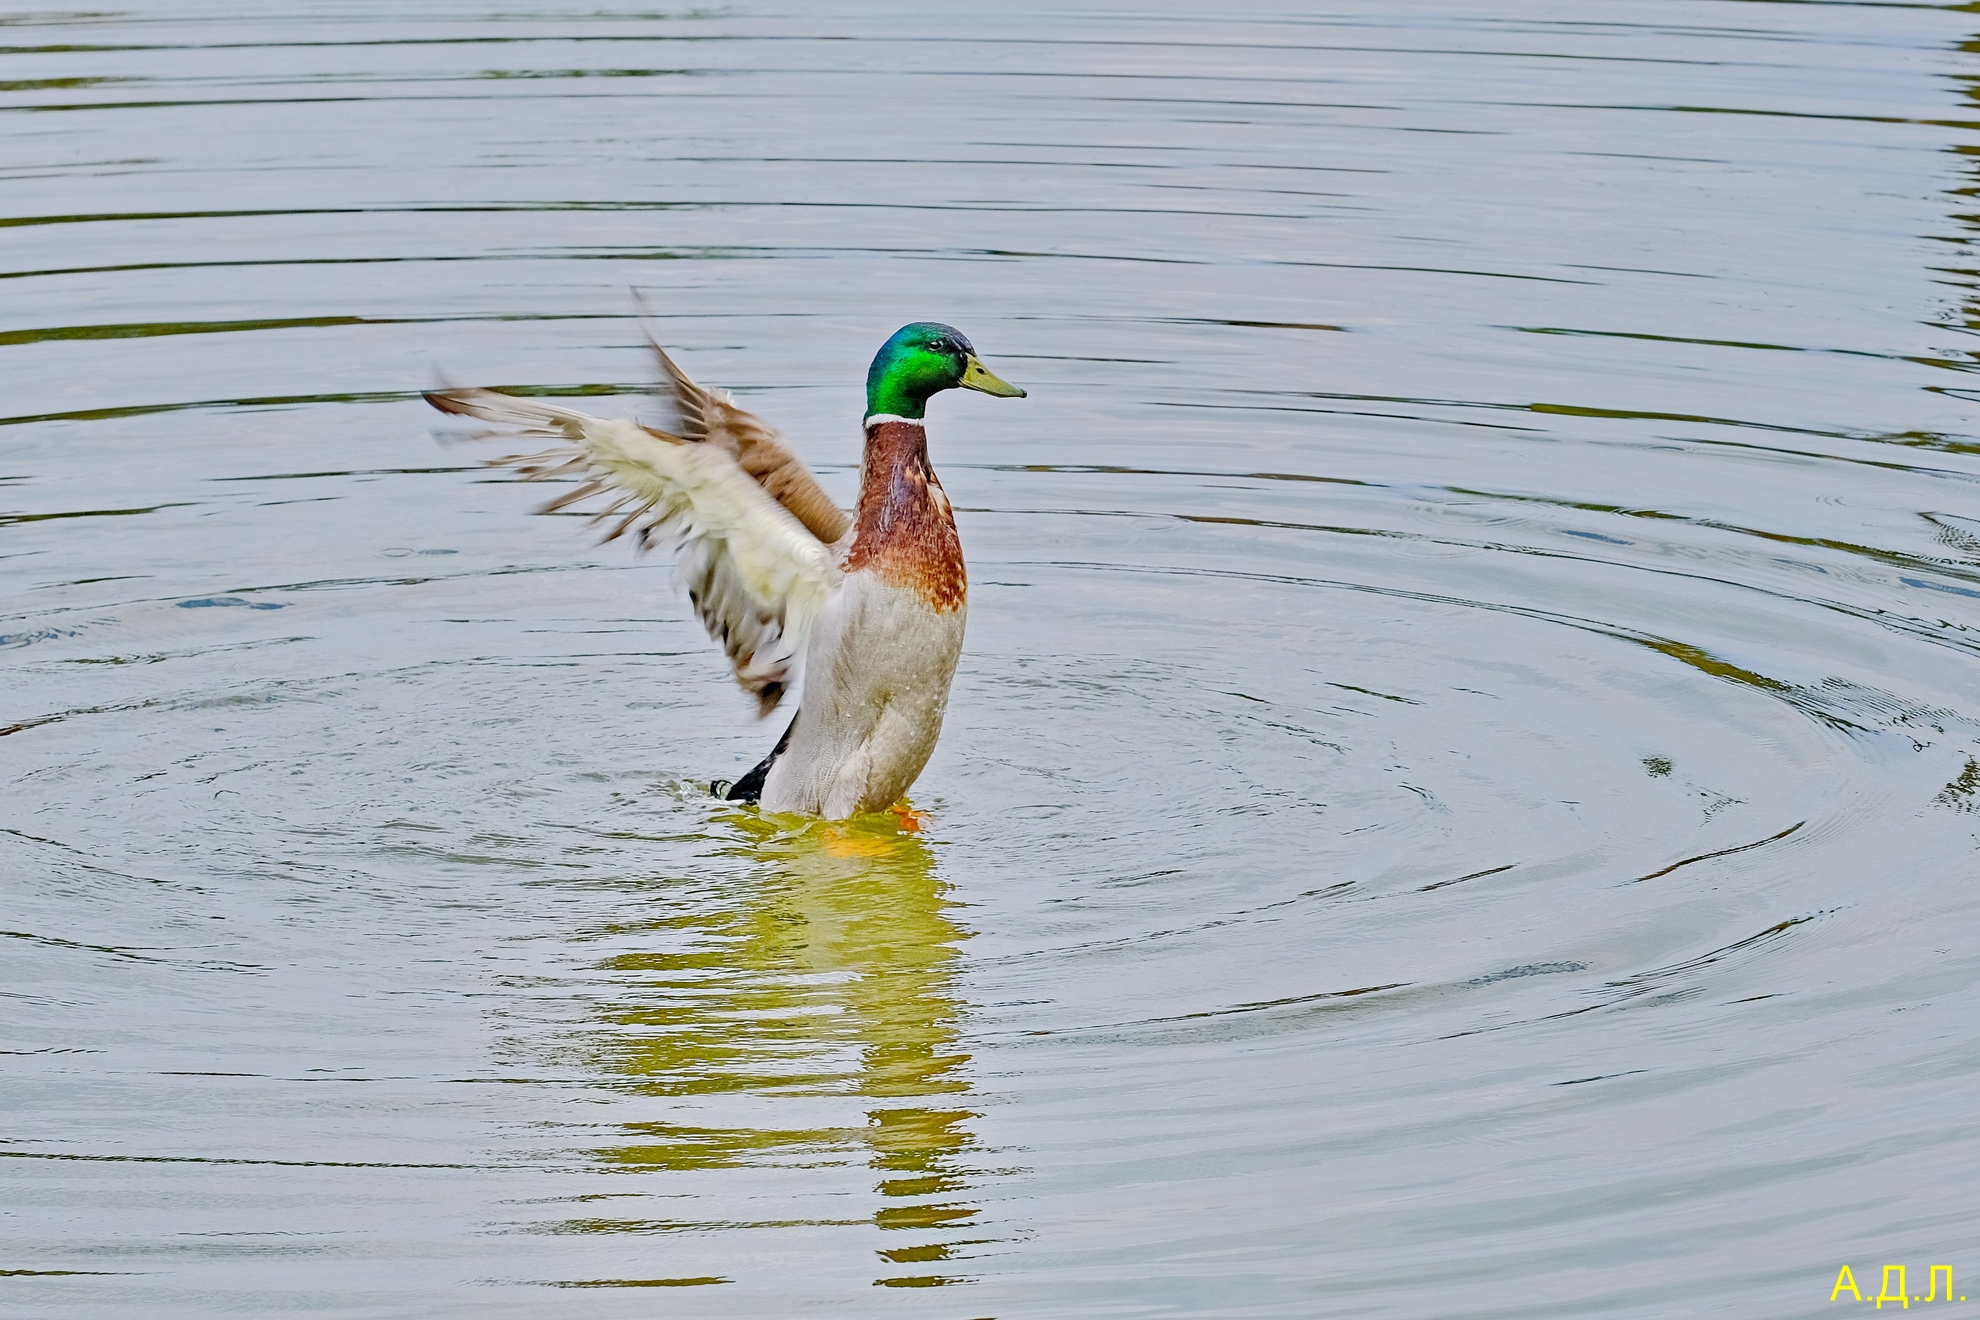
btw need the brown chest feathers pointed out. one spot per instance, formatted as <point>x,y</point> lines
<point>905,534</point>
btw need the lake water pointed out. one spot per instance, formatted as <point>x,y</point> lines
<point>1462,793</point>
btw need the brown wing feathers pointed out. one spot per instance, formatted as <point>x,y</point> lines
<point>709,417</point>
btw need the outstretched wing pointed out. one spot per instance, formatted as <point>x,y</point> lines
<point>711,417</point>
<point>757,574</point>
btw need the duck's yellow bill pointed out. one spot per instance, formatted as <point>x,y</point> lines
<point>976,376</point>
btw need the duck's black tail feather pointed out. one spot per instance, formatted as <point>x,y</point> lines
<point>750,787</point>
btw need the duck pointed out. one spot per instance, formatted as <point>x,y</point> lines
<point>859,614</point>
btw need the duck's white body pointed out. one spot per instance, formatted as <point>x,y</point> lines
<point>883,648</point>
<point>876,685</point>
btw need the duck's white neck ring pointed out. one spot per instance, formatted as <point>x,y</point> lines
<point>875,419</point>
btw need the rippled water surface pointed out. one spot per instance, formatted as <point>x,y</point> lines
<point>1461,795</point>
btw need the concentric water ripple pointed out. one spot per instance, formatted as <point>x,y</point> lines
<point>1461,793</point>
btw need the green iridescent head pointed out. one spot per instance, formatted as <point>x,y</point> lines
<point>923,359</point>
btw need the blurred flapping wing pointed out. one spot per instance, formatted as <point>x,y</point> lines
<point>755,571</point>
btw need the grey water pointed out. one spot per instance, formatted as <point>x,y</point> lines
<point>1462,794</point>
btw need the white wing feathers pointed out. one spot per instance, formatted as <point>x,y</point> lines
<point>755,574</point>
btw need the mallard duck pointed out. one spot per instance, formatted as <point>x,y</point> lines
<point>862,616</point>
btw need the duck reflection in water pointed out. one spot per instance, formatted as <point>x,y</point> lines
<point>824,972</point>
